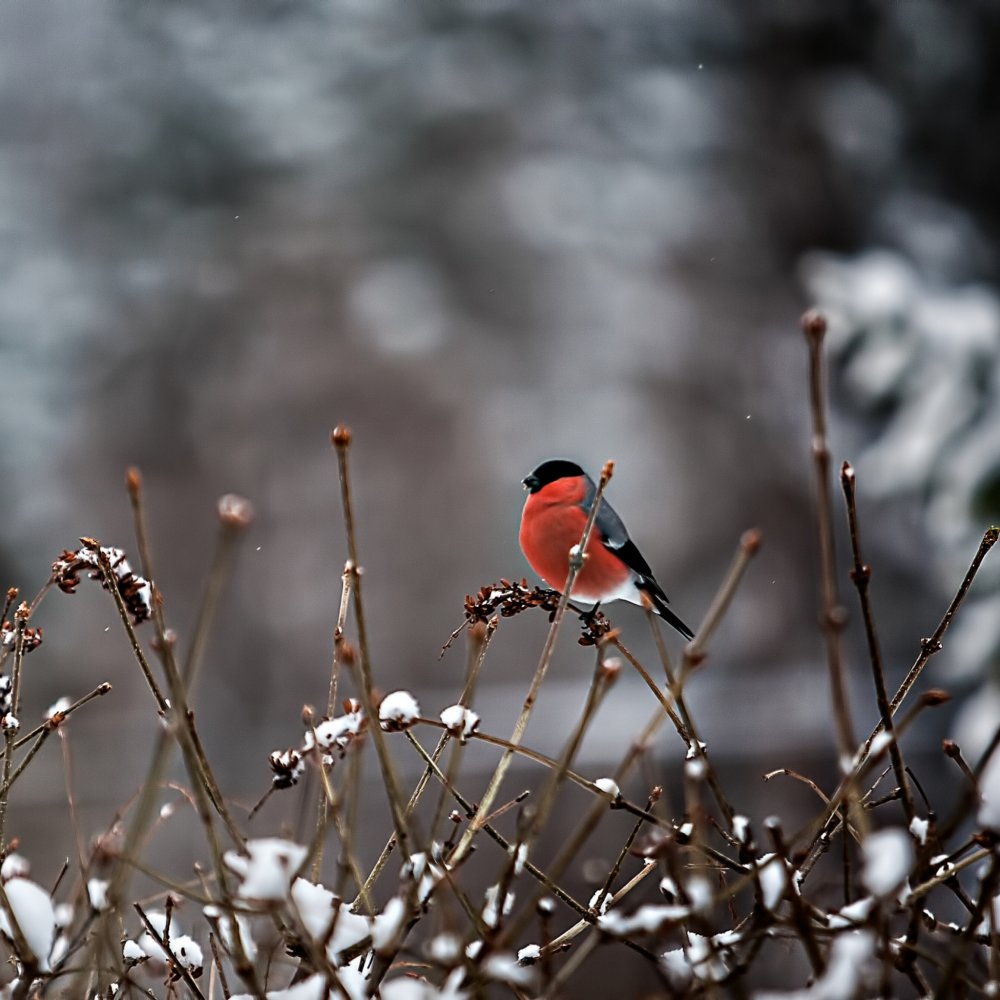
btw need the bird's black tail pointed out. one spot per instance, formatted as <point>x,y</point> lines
<point>659,601</point>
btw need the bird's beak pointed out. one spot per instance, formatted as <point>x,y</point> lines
<point>529,483</point>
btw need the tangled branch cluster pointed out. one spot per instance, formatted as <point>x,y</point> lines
<point>135,591</point>
<point>508,599</point>
<point>881,891</point>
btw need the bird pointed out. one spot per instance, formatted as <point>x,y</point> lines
<point>560,496</point>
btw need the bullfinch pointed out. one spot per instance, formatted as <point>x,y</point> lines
<point>560,495</point>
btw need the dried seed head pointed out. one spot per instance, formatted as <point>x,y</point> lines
<point>340,436</point>
<point>12,593</point>
<point>235,511</point>
<point>308,716</point>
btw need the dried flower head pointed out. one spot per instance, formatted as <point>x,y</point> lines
<point>136,592</point>
<point>288,766</point>
<point>508,599</point>
<point>8,637</point>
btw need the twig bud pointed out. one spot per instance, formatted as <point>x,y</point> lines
<point>133,481</point>
<point>935,697</point>
<point>814,324</point>
<point>340,436</point>
<point>951,749</point>
<point>608,471</point>
<point>611,668</point>
<point>750,540</point>
<point>169,641</point>
<point>308,715</point>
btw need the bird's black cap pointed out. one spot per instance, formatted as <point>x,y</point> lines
<point>550,471</point>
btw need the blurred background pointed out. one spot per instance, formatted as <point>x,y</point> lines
<point>484,234</point>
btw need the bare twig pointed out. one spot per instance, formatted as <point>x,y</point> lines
<point>341,437</point>
<point>833,615</point>
<point>861,575</point>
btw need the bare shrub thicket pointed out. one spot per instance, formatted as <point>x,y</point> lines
<point>700,897</point>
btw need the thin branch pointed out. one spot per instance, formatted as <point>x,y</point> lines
<point>341,437</point>
<point>928,647</point>
<point>861,575</point>
<point>833,615</point>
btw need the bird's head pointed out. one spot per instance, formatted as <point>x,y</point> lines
<point>549,472</point>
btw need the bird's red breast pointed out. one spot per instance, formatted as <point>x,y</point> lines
<point>551,524</point>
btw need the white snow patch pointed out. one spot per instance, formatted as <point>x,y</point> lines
<point>337,732</point>
<point>97,894</point>
<point>317,908</point>
<point>505,968</point>
<point>424,872</point>
<point>459,721</point>
<point>529,954</point>
<point>887,857</point>
<point>741,828</point>
<point>34,913</point>
<point>230,927</point>
<point>918,827</point>
<point>773,873</point>
<point>493,910</point>
<point>699,891</point>
<point>609,786</point>
<point>387,925</point>
<point>14,866</point>
<point>445,948</point>
<point>131,952</point>
<point>60,707</point>
<point>268,872</point>
<point>847,972</point>
<point>313,988</point>
<point>702,960</point>
<point>853,914</point>
<point>696,769</point>
<point>649,919</point>
<point>399,710</point>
